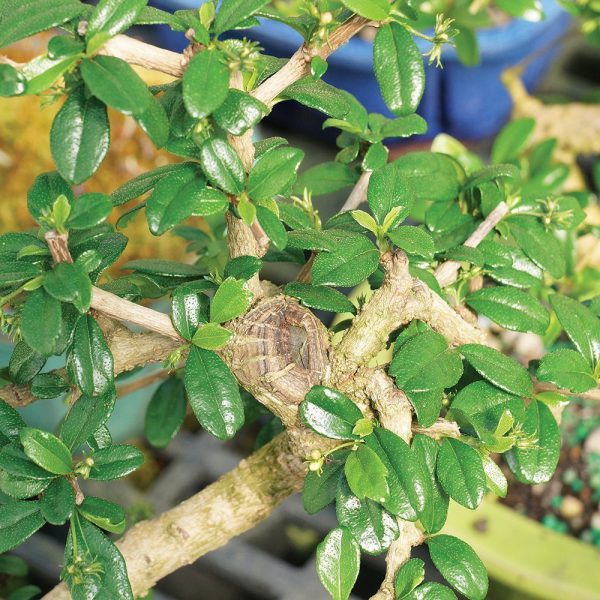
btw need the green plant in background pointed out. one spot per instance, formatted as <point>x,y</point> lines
<point>443,236</point>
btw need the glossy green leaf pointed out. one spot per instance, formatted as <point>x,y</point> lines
<point>116,84</point>
<point>405,126</point>
<point>42,72</point>
<point>211,336</point>
<point>86,416</point>
<point>21,488</point>
<point>11,421</point>
<point>205,83</point>
<point>413,240</point>
<point>408,577</point>
<point>106,515</point>
<point>496,480</point>
<point>68,282</point>
<point>88,211</point>
<point>233,12</point>
<point>431,590</point>
<point>189,308</point>
<point>366,474</point>
<point>21,18</point>
<point>58,502</point>
<point>338,563</point>
<point>512,140</point>
<point>213,393</point>
<point>320,488</point>
<point>18,521</point>
<point>242,267</point>
<point>114,462</point>
<point>580,324</point>
<point>388,189</point>
<point>510,308</point>
<point>24,363</point>
<point>399,69</point>
<point>320,297</point>
<point>90,359</point>
<point>46,450</point>
<point>534,460</point>
<point>15,273</point>
<point>15,462</point>
<point>46,188</point>
<point>325,178</point>
<point>80,137</point>
<point>370,9</point>
<point>41,322</point>
<point>12,82</point>
<point>460,471</point>
<point>272,226</point>
<point>222,166</point>
<point>165,413</point>
<point>567,369</point>
<point>503,371</point>
<point>350,263</point>
<point>459,565</point>
<point>113,16</point>
<point>329,413</point>
<point>274,173</point>
<point>164,267</point>
<point>239,112</point>
<point>231,300</point>
<point>371,525</point>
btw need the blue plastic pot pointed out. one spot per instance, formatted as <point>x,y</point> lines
<point>467,102</point>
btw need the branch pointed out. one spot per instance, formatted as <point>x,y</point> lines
<point>358,195</point>
<point>446,273</point>
<point>235,503</point>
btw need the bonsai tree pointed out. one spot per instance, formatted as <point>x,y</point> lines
<point>400,406</point>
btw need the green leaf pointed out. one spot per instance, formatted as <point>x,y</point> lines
<point>58,502</point>
<point>431,591</point>
<point>567,369</point>
<point>329,413</point>
<point>371,525</point>
<point>231,300</point>
<point>320,488</point>
<point>21,18</point>
<point>467,47</point>
<point>13,565</point>
<point>433,516</point>
<point>370,9</point>
<point>116,84</point>
<point>427,405</point>
<point>461,473</point>
<point>24,363</point>
<point>155,122</point>
<point>93,546</point>
<point>165,413</point>
<point>45,190</point>
<point>512,140</point>
<point>404,126</point>
<point>42,72</point>
<point>239,112</point>
<point>274,173</point>
<point>367,475</point>
<point>350,263</point>
<point>338,563</point>
<point>18,521</point>
<point>272,226</point>
<point>540,245</point>
<point>90,359</point>
<point>483,405</point>
<point>233,12</point>
<point>41,322</point>
<point>11,421</point>
<point>580,324</point>
<point>166,268</point>
<point>205,83</point>
<point>222,166</point>
<point>409,483</point>
<point>88,211</point>
<point>496,481</point>
<point>80,137</point>
<point>106,515</point>
<point>510,308</point>
<point>408,577</point>
<point>424,363</point>
<point>115,462</point>
<point>325,178</point>
<point>535,460</point>
<point>242,267</point>
<point>413,240</point>
<point>399,68</point>
<point>388,189</point>
<point>189,308</point>
<point>320,297</point>
<point>213,393</point>
<point>459,565</point>
<point>46,450</point>
<point>113,16</point>
<point>211,336</point>
<point>86,416</point>
<point>12,82</point>
<point>503,371</point>
<point>490,174</point>
<point>68,282</point>
<point>15,462</point>
<point>15,273</point>
<point>19,487</point>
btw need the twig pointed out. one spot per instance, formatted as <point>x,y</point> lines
<point>140,383</point>
<point>358,195</point>
<point>446,273</point>
<point>542,386</point>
